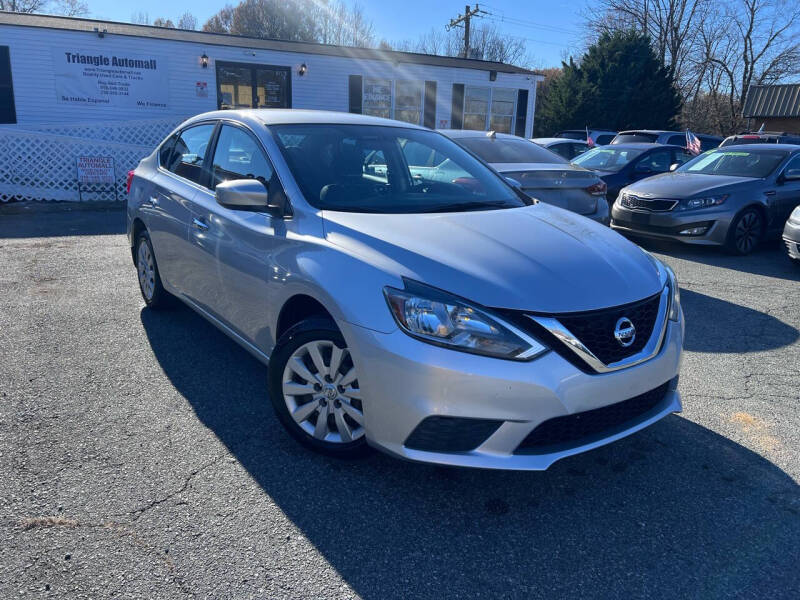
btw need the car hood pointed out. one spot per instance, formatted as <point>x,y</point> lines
<point>684,185</point>
<point>538,258</point>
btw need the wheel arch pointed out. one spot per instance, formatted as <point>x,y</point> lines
<point>297,308</point>
<point>137,226</point>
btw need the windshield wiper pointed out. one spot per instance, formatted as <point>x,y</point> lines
<point>465,206</point>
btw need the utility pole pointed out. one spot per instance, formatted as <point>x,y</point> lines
<point>465,18</point>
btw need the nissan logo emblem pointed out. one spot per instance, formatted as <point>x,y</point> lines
<point>625,332</point>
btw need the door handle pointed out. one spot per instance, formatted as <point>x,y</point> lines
<point>199,224</point>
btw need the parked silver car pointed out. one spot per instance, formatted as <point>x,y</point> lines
<point>541,174</point>
<point>565,148</point>
<point>733,196</point>
<point>791,234</point>
<point>448,322</point>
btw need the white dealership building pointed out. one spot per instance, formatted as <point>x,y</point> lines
<point>81,101</point>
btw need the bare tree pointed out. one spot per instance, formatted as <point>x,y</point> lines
<point>342,25</point>
<point>140,18</point>
<point>70,8</point>
<point>486,43</point>
<point>23,6</point>
<point>162,22</point>
<point>187,21</point>
<point>715,49</point>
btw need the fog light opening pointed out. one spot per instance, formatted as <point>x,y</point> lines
<point>694,231</point>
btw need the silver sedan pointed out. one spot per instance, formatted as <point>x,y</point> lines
<point>448,321</point>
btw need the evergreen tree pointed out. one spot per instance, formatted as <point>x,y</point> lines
<point>619,84</point>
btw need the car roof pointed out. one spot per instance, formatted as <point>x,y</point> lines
<point>556,140</point>
<point>641,146</point>
<point>663,131</point>
<point>280,116</point>
<point>596,130</point>
<point>760,147</point>
<point>474,133</point>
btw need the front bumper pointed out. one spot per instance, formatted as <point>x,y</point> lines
<point>791,237</point>
<point>407,381</point>
<point>669,225</point>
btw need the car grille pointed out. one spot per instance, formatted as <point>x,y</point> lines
<point>584,427</point>
<point>451,434</point>
<point>651,204</point>
<point>595,329</point>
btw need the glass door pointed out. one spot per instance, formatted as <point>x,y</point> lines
<point>241,85</point>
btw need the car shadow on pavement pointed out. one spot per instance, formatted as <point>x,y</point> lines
<point>59,221</point>
<point>734,328</point>
<point>674,511</point>
<point>769,260</point>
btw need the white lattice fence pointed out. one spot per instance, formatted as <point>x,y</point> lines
<point>40,164</point>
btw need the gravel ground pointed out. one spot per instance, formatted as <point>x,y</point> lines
<point>139,458</point>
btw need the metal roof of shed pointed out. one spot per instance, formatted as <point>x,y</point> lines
<point>224,39</point>
<point>772,101</point>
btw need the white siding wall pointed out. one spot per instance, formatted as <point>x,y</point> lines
<point>325,85</point>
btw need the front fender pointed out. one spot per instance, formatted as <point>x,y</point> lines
<point>347,286</point>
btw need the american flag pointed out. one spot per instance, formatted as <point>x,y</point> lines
<point>692,143</point>
<point>589,140</point>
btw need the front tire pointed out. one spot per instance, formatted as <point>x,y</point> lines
<point>313,386</point>
<point>153,292</point>
<point>746,232</point>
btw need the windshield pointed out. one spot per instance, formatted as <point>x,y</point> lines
<point>378,169</point>
<point>607,158</point>
<point>509,150</point>
<point>739,163</point>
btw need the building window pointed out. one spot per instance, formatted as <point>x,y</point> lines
<point>377,98</point>
<point>502,115</point>
<point>408,102</point>
<point>8,112</point>
<point>476,107</point>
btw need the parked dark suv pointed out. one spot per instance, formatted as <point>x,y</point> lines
<point>763,137</point>
<point>673,138</point>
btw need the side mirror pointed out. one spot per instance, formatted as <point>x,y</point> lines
<point>514,183</point>
<point>673,166</point>
<point>791,175</point>
<point>248,194</point>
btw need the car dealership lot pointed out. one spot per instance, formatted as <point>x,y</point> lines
<point>140,457</point>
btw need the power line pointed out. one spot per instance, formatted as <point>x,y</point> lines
<point>530,24</point>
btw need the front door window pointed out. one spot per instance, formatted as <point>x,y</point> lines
<point>253,86</point>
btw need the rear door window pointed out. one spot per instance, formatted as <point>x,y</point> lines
<point>187,157</point>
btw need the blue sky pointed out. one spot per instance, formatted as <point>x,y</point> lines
<point>549,28</point>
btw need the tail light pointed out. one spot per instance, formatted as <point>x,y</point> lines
<point>597,189</point>
<point>130,180</point>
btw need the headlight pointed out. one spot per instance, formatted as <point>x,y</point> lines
<point>795,216</point>
<point>674,295</point>
<point>704,202</point>
<point>438,318</point>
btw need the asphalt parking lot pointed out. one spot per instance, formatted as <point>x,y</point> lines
<point>139,458</point>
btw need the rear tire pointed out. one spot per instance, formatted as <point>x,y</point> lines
<point>314,389</point>
<point>153,292</point>
<point>745,232</point>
